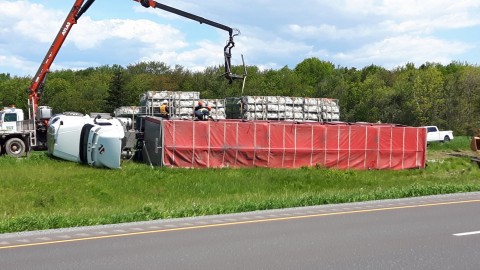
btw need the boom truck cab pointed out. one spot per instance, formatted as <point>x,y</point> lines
<point>15,132</point>
<point>9,117</point>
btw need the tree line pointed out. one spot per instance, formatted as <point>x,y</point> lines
<point>432,94</point>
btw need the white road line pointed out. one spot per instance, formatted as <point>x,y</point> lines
<point>467,233</point>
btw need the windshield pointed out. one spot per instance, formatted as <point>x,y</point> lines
<point>10,117</point>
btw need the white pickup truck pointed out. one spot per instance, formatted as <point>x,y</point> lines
<point>435,135</point>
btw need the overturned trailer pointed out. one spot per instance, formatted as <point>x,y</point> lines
<point>281,144</point>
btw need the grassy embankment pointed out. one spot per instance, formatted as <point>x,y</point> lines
<point>40,193</point>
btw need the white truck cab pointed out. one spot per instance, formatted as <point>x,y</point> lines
<point>93,141</point>
<point>9,117</point>
<point>64,135</point>
<point>15,132</point>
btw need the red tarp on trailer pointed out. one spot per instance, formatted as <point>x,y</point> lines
<point>207,144</point>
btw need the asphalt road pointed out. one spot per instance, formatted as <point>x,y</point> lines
<point>438,232</point>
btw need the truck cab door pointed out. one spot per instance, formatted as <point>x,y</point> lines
<point>432,134</point>
<point>8,122</point>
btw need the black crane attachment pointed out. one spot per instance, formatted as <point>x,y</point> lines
<point>227,52</point>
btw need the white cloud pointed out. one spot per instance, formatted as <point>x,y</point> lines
<point>405,8</point>
<point>327,31</point>
<point>17,65</point>
<point>91,34</point>
<point>27,19</point>
<point>274,33</point>
<point>205,54</point>
<point>74,65</point>
<point>391,17</point>
<point>397,51</point>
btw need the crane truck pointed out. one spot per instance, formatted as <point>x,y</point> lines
<point>100,142</point>
<point>19,134</point>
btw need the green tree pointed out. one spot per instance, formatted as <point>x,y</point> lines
<point>401,104</point>
<point>314,73</point>
<point>117,95</point>
<point>61,95</point>
<point>4,76</point>
<point>470,86</point>
<point>14,92</point>
<point>151,67</point>
<point>428,101</point>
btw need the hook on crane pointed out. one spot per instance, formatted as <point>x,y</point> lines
<point>227,51</point>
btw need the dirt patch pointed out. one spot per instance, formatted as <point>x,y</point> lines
<point>442,155</point>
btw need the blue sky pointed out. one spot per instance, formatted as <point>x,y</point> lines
<point>348,33</point>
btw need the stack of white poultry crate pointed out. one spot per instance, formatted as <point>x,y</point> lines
<point>126,111</point>
<point>181,104</point>
<point>218,108</point>
<point>325,109</point>
<point>286,108</point>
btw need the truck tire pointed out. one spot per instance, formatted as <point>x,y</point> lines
<point>446,139</point>
<point>15,147</point>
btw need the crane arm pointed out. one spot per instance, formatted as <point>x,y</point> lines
<point>227,51</point>
<point>154,4</point>
<point>75,13</point>
<point>79,7</point>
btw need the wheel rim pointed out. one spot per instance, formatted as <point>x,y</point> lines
<point>15,148</point>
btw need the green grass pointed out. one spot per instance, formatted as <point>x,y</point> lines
<point>39,192</point>
<point>457,144</point>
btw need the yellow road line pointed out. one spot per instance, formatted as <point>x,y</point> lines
<point>239,223</point>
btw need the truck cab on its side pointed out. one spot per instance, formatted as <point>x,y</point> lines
<point>93,141</point>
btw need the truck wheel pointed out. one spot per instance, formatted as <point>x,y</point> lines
<point>446,139</point>
<point>15,147</point>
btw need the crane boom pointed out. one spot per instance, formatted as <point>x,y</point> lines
<point>227,50</point>
<point>75,13</point>
<point>154,4</point>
